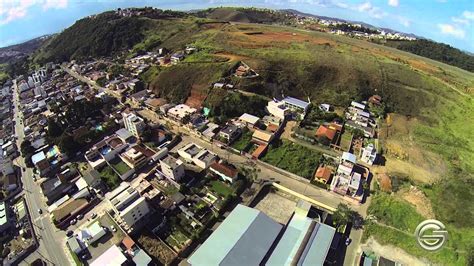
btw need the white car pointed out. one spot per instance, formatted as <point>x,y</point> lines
<point>113,229</point>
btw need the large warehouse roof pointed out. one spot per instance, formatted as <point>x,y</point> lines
<point>243,238</point>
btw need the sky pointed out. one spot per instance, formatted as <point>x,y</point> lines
<point>447,21</point>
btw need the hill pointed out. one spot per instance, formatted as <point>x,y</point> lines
<point>14,52</point>
<point>437,51</point>
<point>245,15</point>
<point>102,35</point>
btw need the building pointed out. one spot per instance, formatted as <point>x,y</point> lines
<point>95,231</point>
<point>111,257</point>
<point>128,205</point>
<point>323,174</point>
<point>75,245</point>
<point>133,123</point>
<point>304,242</point>
<point>41,163</point>
<point>225,171</point>
<point>297,106</point>
<point>172,168</point>
<point>369,154</point>
<point>204,159</point>
<point>249,120</point>
<point>262,137</point>
<point>326,132</point>
<point>189,151</point>
<point>154,104</point>
<point>347,180</point>
<point>5,224</point>
<point>278,109</point>
<point>133,157</point>
<point>180,111</point>
<point>244,238</point>
<point>229,133</point>
<point>104,151</point>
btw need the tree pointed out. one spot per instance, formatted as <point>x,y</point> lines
<point>343,215</point>
<point>68,145</point>
<point>26,148</point>
<point>54,128</point>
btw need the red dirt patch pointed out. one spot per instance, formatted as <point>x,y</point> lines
<point>231,57</point>
<point>197,97</point>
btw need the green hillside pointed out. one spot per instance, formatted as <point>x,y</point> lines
<point>436,51</point>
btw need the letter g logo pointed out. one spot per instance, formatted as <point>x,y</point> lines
<point>433,241</point>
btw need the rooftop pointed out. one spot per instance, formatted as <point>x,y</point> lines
<point>243,238</point>
<point>296,102</point>
<point>112,256</point>
<point>248,118</point>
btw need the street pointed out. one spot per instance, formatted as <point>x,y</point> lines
<point>51,240</point>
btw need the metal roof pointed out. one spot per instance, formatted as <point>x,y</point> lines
<point>243,238</point>
<point>296,102</point>
<point>318,246</point>
<point>289,244</point>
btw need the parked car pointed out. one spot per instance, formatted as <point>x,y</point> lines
<point>40,211</point>
<point>73,221</point>
<point>69,233</point>
<point>113,229</point>
<point>94,215</point>
<point>80,216</point>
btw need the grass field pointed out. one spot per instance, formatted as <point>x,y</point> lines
<point>120,166</point>
<point>221,188</point>
<point>243,141</point>
<point>111,179</point>
<point>293,158</point>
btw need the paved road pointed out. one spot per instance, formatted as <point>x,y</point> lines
<point>51,239</point>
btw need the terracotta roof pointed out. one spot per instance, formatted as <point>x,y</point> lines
<point>225,169</point>
<point>128,243</point>
<point>259,151</point>
<point>325,131</point>
<point>272,128</point>
<point>323,173</point>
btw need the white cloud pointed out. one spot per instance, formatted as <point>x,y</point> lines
<point>373,11</point>
<point>11,10</point>
<point>452,30</point>
<point>468,14</point>
<point>393,3</point>
<point>462,21</point>
<point>404,21</point>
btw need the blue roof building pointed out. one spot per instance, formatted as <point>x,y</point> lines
<point>244,238</point>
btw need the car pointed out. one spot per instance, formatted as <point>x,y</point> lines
<point>94,215</point>
<point>73,222</point>
<point>348,241</point>
<point>40,211</point>
<point>113,229</point>
<point>80,216</point>
<point>69,233</point>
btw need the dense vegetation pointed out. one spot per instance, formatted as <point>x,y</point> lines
<point>437,51</point>
<point>100,35</point>
<point>234,105</point>
<point>246,15</point>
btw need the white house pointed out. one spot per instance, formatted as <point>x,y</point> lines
<point>369,154</point>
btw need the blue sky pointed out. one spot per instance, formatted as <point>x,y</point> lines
<point>447,21</point>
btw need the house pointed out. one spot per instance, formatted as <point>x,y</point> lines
<point>92,179</point>
<point>323,174</point>
<point>348,179</point>
<point>172,168</point>
<point>134,157</point>
<point>262,137</point>
<point>259,151</point>
<point>111,257</point>
<point>249,120</point>
<point>105,151</point>
<point>56,187</point>
<point>128,205</point>
<point>75,245</point>
<point>244,238</point>
<point>139,97</point>
<point>9,182</point>
<point>154,104</point>
<point>204,159</point>
<point>177,57</point>
<point>133,123</point>
<point>325,107</point>
<point>229,133</point>
<point>189,151</point>
<point>180,111</point>
<point>95,232</point>
<point>166,107</point>
<point>67,210</point>
<point>369,154</point>
<point>225,171</point>
<point>297,106</point>
<point>278,109</point>
<point>326,132</point>
<point>41,163</point>
<point>138,255</point>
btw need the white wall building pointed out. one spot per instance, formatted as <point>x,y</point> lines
<point>172,168</point>
<point>369,154</point>
<point>278,109</point>
<point>128,205</point>
<point>180,111</point>
<point>133,123</point>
